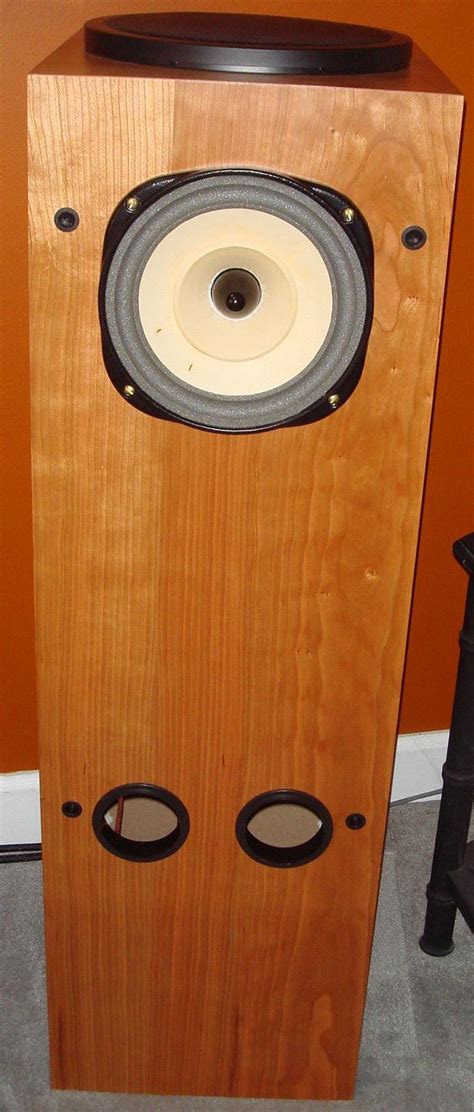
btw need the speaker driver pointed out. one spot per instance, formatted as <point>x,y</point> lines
<point>236,300</point>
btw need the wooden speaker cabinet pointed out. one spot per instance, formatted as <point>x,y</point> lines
<point>222,607</point>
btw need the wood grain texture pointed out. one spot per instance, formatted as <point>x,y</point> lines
<point>222,615</point>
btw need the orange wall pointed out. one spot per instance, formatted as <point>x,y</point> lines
<point>31,30</point>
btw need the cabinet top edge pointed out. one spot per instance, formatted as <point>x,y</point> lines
<point>70,60</point>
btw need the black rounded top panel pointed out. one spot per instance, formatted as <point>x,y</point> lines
<point>246,43</point>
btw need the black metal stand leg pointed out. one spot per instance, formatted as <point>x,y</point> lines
<point>458,782</point>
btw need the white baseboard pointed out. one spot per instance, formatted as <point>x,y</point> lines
<point>417,773</point>
<point>418,764</point>
<point>19,808</point>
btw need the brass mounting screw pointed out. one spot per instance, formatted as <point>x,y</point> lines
<point>129,390</point>
<point>348,215</point>
<point>132,204</point>
<point>334,400</point>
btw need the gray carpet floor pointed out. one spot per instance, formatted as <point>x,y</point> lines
<point>417,1046</point>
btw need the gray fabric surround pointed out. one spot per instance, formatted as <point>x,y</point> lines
<point>274,407</point>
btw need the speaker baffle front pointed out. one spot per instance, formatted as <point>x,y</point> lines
<point>236,300</point>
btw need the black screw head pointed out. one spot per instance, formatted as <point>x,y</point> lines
<point>71,809</point>
<point>66,219</point>
<point>414,237</point>
<point>356,821</point>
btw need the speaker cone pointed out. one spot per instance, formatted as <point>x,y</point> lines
<point>236,300</point>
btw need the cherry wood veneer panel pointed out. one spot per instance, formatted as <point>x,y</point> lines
<point>222,615</point>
